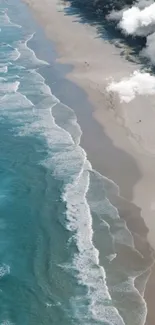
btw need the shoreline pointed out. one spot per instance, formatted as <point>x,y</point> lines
<point>88,71</point>
<point>106,127</point>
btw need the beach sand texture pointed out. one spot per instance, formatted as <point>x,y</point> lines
<point>94,62</point>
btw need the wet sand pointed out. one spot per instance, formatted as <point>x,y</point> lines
<point>94,60</point>
<point>116,145</point>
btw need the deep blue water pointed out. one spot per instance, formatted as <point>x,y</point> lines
<point>50,270</point>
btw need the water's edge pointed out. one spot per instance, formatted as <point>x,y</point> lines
<point>141,259</point>
<point>127,210</point>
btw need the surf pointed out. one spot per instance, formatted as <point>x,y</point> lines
<point>27,103</point>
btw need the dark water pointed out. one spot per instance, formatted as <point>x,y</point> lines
<point>51,201</point>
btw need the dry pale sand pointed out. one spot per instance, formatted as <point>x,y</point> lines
<point>95,60</point>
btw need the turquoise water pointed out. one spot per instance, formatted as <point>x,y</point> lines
<point>50,200</point>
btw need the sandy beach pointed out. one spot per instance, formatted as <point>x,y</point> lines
<point>128,146</point>
<point>94,62</point>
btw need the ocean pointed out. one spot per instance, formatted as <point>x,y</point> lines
<point>66,257</point>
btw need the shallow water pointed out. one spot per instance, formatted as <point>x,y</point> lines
<point>53,267</point>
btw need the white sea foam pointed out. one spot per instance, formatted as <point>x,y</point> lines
<point>4,270</point>
<point>8,87</point>
<point>17,107</point>
<point>71,165</point>
<point>15,101</point>
<point>86,261</point>
<point>8,53</point>
<point>29,58</point>
<point>6,322</point>
<point>111,257</point>
<point>130,293</point>
<point>5,20</point>
<point>34,83</point>
<point>68,162</point>
<point>3,69</point>
<point>144,277</point>
<point>66,118</point>
<point>100,204</point>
